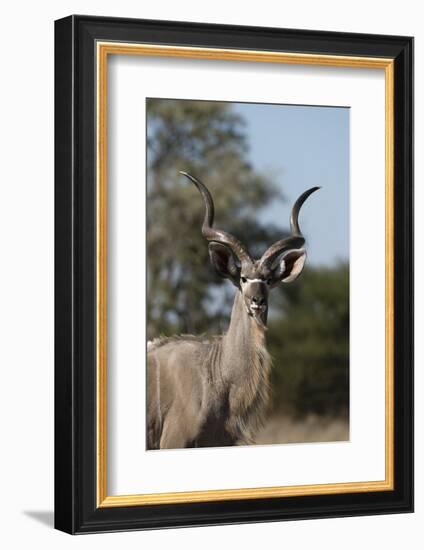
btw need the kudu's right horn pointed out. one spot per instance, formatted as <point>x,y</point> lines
<point>217,235</point>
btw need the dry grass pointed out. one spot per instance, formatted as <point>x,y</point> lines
<point>312,428</point>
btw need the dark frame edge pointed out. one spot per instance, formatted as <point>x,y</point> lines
<point>404,269</point>
<point>64,448</point>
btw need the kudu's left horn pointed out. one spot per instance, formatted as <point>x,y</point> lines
<point>296,239</point>
<point>217,235</point>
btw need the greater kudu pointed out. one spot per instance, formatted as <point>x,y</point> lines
<point>213,392</point>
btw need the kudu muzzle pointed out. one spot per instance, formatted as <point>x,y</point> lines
<point>255,295</point>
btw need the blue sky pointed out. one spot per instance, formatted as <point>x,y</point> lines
<point>300,147</point>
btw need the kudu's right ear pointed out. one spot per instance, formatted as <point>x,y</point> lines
<point>224,262</point>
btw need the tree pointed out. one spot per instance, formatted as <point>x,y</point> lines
<point>207,139</point>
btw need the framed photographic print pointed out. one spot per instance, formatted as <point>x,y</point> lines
<point>234,274</point>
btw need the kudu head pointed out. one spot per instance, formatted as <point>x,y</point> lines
<point>282,263</point>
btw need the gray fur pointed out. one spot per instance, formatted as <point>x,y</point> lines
<point>212,392</point>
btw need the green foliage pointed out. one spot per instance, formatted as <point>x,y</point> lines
<point>309,320</point>
<point>309,340</point>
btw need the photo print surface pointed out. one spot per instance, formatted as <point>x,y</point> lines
<point>247,274</point>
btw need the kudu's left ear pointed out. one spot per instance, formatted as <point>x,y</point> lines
<point>290,265</point>
<point>223,261</point>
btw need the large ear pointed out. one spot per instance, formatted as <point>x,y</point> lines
<point>290,265</point>
<point>223,261</point>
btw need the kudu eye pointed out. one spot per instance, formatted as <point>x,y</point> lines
<point>243,279</point>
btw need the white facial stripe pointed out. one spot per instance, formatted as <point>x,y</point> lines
<point>255,280</point>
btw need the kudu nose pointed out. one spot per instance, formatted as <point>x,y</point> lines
<point>258,300</point>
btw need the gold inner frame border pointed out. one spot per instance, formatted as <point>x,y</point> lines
<point>103,50</point>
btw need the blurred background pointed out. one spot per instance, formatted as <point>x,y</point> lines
<point>256,159</point>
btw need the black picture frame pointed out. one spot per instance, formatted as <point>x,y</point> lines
<point>76,509</point>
